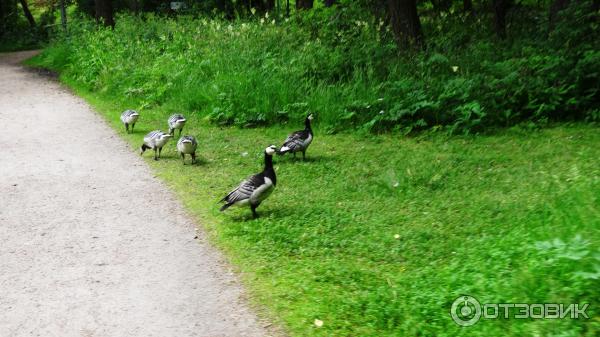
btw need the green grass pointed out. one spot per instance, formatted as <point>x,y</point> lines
<point>377,235</point>
<point>345,66</point>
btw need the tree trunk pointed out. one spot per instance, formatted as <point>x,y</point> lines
<point>262,5</point>
<point>63,15</point>
<point>269,5</point>
<point>441,5</point>
<point>304,4</point>
<point>556,7</point>
<point>468,6</point>
<point>501,7</point>
<point>104,12</point>
<point>406,24</point>
<point>27,13</point>
<point>225,7</point>
<point>329,3</point>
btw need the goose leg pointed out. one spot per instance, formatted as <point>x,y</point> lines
<point>193,157</point>
<point>303,155</point>
<point>254,214</point>
<point>126,128</point>
<point>132,126</point>
<point>183,158</point>
<point>155,157</point>
<point>159,151</point>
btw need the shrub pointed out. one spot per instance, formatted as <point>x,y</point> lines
<point>343,65</point>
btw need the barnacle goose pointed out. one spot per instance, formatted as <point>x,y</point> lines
<point>129,117</point>
<point>298,141</point>
<point>256,188</point>
<point>176,121</point>
<point>155,140</point>
<point>187,145</point>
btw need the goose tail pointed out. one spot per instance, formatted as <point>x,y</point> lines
<point>224,207</point>
<point>283,150</point>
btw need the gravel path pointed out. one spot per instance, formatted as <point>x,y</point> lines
<point>91,244</point>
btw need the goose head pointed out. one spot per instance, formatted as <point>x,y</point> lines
<point>270,150</point>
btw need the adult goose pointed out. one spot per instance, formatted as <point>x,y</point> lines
<point>176,121</point>
<point>155,140</point>
<point>255,189</point>
<point>129,117</point>
<point>298,141</point>
<point>187,145</point>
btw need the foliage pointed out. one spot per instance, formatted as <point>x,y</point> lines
<point>343,64</point>
<point>16,33</point>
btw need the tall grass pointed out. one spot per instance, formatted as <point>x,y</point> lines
<point>343,65</point>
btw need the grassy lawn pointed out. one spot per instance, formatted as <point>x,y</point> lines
<point>377,235</point>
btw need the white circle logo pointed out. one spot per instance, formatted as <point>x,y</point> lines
<point>465,311</point>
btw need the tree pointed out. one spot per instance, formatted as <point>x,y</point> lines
<point>557,6</point>
<point>501,8</point>
<point>63,14</point>
<point>304,4</point>
<point>406,24</point>
<point>468,6</point>
<point>27,13</point>
<point>441,5</point>
<point>104,12</point>
<point>262,5</point>
<point>8,19</point>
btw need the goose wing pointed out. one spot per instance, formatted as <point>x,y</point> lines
<point>295,140</point>
<point>245,189</point>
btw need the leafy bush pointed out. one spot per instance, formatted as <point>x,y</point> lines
<point>343,65</point>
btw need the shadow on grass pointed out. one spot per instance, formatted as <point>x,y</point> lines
<point>309,159</point>
<point>244,214</point>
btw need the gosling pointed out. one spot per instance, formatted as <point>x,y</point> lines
<point>176,121</point>
<point>129,117</point>
<point>187,145</point>
<point>155,140</point>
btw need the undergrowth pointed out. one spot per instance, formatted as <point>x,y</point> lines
<point>343,65</point>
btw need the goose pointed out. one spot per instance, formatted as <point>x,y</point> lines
<point>176,121</point>
<point>129,117</point>
<point>155,140</point>
<point>255,189</point>
<point>187,145</point>
<point>298,141</point>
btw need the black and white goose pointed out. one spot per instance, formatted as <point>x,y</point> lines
<point>129,117</point>
<point>298,141</point>
<point>155,140</point>
<point>187,145</point>
<point>176,121</point>
<point>255,189</point>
